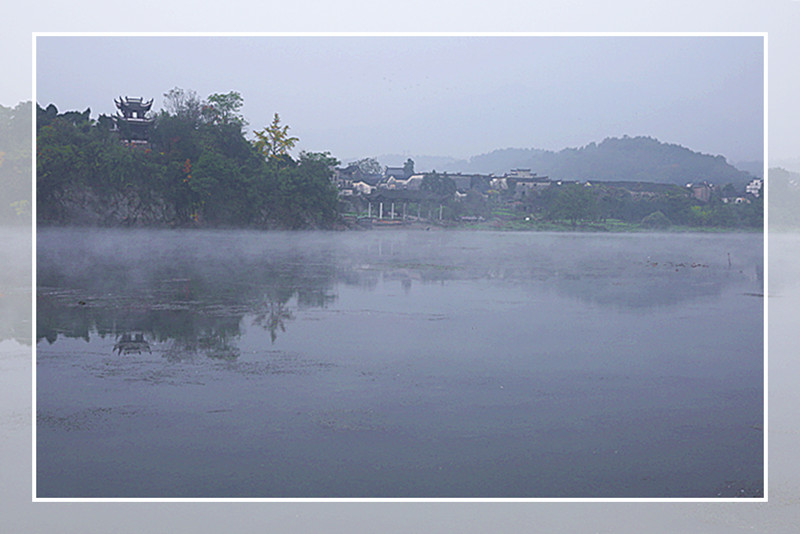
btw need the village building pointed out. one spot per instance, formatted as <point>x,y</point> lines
<point>467,182</point>
<point>701,191</point>
<point>498,184</point>
<point>363,188</point>
<point>346,177</point>
<point>736,200</point>
<point>526,183</point>
<point>395,172</point>
<point>351,181</point>
<point>520,173</point>
<point>754,187</point>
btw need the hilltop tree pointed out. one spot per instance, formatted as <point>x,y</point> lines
<point>274,141</point>
<point>225,109</point>
<point>183,104</point>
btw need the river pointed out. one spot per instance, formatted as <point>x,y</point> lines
<point>398,364</point>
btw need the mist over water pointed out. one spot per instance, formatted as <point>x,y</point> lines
<point>398,364</point>
<point>15,286</point>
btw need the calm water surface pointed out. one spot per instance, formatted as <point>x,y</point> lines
<point>398,364</point>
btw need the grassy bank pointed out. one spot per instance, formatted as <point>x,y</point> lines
<point>611,225</point>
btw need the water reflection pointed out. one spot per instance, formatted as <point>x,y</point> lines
<point>194,290</point>
<point>215,343</point>
<point>272,317</point>
<point>131,344</point>
<point>649,284</point>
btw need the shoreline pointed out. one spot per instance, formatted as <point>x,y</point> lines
<point>499,225</point>
<point>388,225</point>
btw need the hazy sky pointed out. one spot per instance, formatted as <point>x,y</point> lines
<point>448,96</point>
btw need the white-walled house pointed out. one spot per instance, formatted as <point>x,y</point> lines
<point>363,188</point>
<point>754,187</point>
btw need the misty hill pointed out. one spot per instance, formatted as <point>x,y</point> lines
<point>784,199</point>
<point>15,164</point>
<point>755,168</point>
<point>640,159</point>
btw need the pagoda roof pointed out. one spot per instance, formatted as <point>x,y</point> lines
<point>133,102</point>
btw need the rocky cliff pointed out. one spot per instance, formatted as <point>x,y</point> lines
<point>83,206</point>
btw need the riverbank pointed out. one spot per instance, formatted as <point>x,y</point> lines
<point>609,226</point>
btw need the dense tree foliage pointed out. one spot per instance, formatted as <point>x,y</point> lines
<point>574,202</point>
<point>369,166</point>
<point>408,167</point>
<point>198,165</point>
<point>578,203</point>
<point>438,183</point>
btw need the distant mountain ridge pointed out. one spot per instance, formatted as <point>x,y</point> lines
<point>644,159</point>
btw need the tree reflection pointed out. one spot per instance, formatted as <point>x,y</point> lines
<point>215,344</point>
<point>192,301</point>
<point>272,317</point>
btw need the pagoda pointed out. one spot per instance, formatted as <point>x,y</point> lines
<point>131,121</point>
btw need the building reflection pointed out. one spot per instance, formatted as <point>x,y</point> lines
<point>131,344</point>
